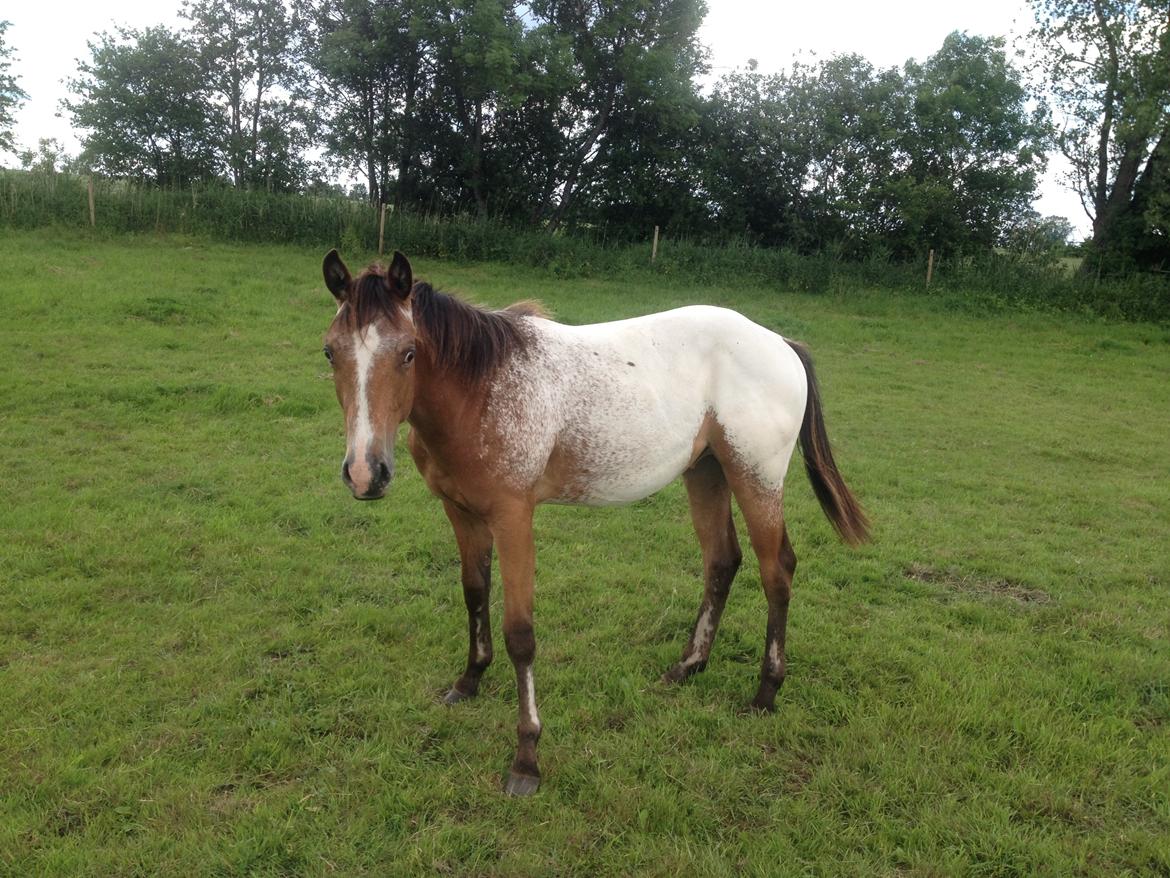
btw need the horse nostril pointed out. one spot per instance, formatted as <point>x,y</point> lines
<point>383,472</point>
<point>345,473</point>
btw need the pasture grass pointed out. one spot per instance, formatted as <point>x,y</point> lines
<point>214,662</point>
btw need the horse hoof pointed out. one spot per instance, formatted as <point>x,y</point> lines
<point>454,696</point>
<point>674,675</point>
<point>680,673</point>
<point>521,784</point>
<point>761,707</point>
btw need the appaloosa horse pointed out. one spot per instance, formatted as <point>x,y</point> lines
<point>509,409</point>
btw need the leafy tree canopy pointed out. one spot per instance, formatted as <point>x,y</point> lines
<point>11,94</point>
<point>1107,64</point>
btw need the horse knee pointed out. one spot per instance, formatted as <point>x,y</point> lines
<point>780,591</point>
<point>520,642</point>
<point>721,571</point>
<point>476,577</point>
<point>787,558</point>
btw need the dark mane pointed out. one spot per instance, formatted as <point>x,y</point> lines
<point>369,298</point>
<point>471,341</point>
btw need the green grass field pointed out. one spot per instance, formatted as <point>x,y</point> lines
<point>214,662</point>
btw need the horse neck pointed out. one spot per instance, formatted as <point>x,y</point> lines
<point>444,407</point>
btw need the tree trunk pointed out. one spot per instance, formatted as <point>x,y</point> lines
<point>580,156</point>
<point>404,191</point>
<point>1118,201</point>
<point>1112,66</point>
<point>373,191</point>
<point>477,162</point>
<point>261,86</point>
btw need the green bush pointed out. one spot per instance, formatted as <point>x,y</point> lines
<point>996,280</point>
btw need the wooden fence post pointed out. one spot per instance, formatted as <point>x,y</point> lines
<point>92,215</point>
<point>381,228</point>
<point>929,266</point>
<point>654,249</point>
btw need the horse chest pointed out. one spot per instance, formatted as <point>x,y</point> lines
<point>439,479</point>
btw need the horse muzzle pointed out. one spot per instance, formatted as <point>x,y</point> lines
<point>367,475</point>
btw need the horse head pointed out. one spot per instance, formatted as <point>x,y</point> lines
<point>371,347</point>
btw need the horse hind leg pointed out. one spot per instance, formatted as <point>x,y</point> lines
<point>763,513</point>
<point>710,500</point>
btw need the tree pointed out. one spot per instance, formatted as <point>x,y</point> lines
<point>841,155</point>
<point>172,107</point>
<point>477,78</point>
<point>1158,212</point>
<point>1036,235</point>
<point>145,105</point>
<point>245,52</point>
<point>369,67</point>
<point>1107,63</point>
<point>49,157</point>
<point>975,148</point>
<point>626,58</point>
<point>647,172</point>
<point>850,121</point>
<point>644,170</point>
<point>11,95</point>
<point>529,129</point>
<point>756,159</point>
<point>541,111</point>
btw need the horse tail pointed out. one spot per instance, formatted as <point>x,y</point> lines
<point>838,502</point>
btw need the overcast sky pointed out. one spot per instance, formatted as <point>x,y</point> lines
<point>50,36</point>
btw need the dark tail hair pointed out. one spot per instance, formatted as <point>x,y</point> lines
<point>841,507</point>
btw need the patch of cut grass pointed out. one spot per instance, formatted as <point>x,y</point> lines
<point>973,585</point>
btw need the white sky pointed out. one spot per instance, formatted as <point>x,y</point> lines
<point>50,36</point>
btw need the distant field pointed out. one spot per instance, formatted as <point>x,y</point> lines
<point>213,661</point>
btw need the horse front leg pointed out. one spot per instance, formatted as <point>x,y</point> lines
<point>475,555</point>
<point>513,534</point>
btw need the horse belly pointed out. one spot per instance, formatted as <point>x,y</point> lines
<point>619,475</point>
<point>633,445</point>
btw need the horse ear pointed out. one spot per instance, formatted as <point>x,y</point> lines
<point>400,277</point>
<point>336,275</point>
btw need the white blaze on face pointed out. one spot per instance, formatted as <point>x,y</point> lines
<point>365,347</point>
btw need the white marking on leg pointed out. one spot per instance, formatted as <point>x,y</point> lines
<point>528,697</point>
<point>774,653</point>
<point>704,634</point>
<point>481,647</point>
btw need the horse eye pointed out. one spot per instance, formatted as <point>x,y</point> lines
<point>409,358</point>
<point>329,355</point>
